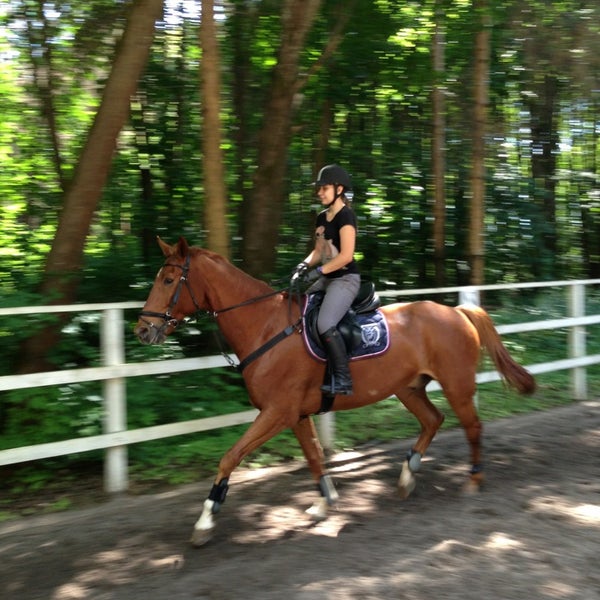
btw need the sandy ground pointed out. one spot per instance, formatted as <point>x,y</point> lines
<point>532,533</point>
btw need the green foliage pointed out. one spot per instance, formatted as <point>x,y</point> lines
<point>372,96</point>
<point>40,415</point>
<point>184,396</point>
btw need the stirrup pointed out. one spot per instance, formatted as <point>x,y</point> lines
<point>332,388</point>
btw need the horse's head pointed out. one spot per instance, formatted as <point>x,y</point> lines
<point>171,298</point>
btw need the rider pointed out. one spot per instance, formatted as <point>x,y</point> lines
<point>337,275</point>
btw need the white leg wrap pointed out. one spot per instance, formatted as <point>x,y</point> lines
<point>206,521</point>
<point>328,490</point>
<point>414,461</point>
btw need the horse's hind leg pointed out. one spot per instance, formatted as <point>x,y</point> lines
<point>461,401</point>
<point>309,441</point>
<point>431,419</point>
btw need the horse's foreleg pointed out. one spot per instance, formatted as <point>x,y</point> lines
<point>267,425</point>
<point>431,419</point>
<point>311,447</point>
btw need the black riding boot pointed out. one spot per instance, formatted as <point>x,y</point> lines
<point>341,380</point>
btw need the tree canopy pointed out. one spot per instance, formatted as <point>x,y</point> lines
<point>300,84</point>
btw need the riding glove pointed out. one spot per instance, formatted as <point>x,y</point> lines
<point>299,271</point>
<point>313,275</point>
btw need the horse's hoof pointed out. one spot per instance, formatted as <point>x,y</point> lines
<point>406,482</point>
<point>406,490</point>
<point>474,483</point>
<point>471,488</point>
<point>318,511</point>
<point>201,537</point>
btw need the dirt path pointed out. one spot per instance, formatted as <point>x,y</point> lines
<point>533,532</point>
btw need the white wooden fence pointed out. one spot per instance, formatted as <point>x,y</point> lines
<point>115,370</point>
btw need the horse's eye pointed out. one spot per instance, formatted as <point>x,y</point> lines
<point>168,280</point>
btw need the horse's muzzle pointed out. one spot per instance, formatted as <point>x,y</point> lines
<point>148,333</point>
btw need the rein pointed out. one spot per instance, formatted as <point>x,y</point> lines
<point>269,343</point>
<point>170,321</point>
<point>216,313</point>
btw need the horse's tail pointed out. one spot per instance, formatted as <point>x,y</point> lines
<point>514,374</point>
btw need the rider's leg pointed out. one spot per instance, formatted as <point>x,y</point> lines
<point>338,298</point>
<point>337,355</point>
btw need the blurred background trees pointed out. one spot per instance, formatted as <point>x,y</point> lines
<point>462,174</point>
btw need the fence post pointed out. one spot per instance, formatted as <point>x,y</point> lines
<point>577,341</point>
<point>115,418</point>
<point>327,430</point>
<point>470,295</point>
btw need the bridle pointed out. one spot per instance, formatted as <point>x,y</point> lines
<point>167,316</point>
<point>170,321</point>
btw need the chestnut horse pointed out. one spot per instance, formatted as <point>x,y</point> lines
<point>427,341</point>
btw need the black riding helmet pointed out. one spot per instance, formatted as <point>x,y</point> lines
<point>333,175</point>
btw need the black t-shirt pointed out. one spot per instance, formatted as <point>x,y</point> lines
<point>331,233</point>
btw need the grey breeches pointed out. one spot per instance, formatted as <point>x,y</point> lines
<point>339,294</point>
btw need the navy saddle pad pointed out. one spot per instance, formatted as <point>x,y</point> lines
<point>364,328</point>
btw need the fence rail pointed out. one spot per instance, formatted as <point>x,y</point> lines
<point>115,371</point>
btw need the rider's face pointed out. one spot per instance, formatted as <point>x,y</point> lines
<point>326,193</point>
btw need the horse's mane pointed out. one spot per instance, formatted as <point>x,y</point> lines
<point>226,265</point>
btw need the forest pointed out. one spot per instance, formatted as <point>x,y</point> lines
<point>470,128</point>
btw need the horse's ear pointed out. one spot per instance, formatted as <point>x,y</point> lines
<point>182,247</point>
<point>166,249</point>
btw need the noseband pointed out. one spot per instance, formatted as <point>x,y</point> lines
<point>167,316</point>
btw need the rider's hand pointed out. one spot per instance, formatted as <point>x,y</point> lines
<point>313,275</point>
<point>299,271</point>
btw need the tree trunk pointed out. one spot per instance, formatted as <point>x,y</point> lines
<point>243,20</point>
<point>544,150</point>
<point>215,194</point>
<point>590,219</point>
<point>138,123</point>
<point>263,206</point>
<point>477,213</point>
<point>40,49</point>
<point>64,262</point>
<point>438,154</point>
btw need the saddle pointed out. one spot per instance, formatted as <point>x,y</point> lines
<point>352,326</point>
